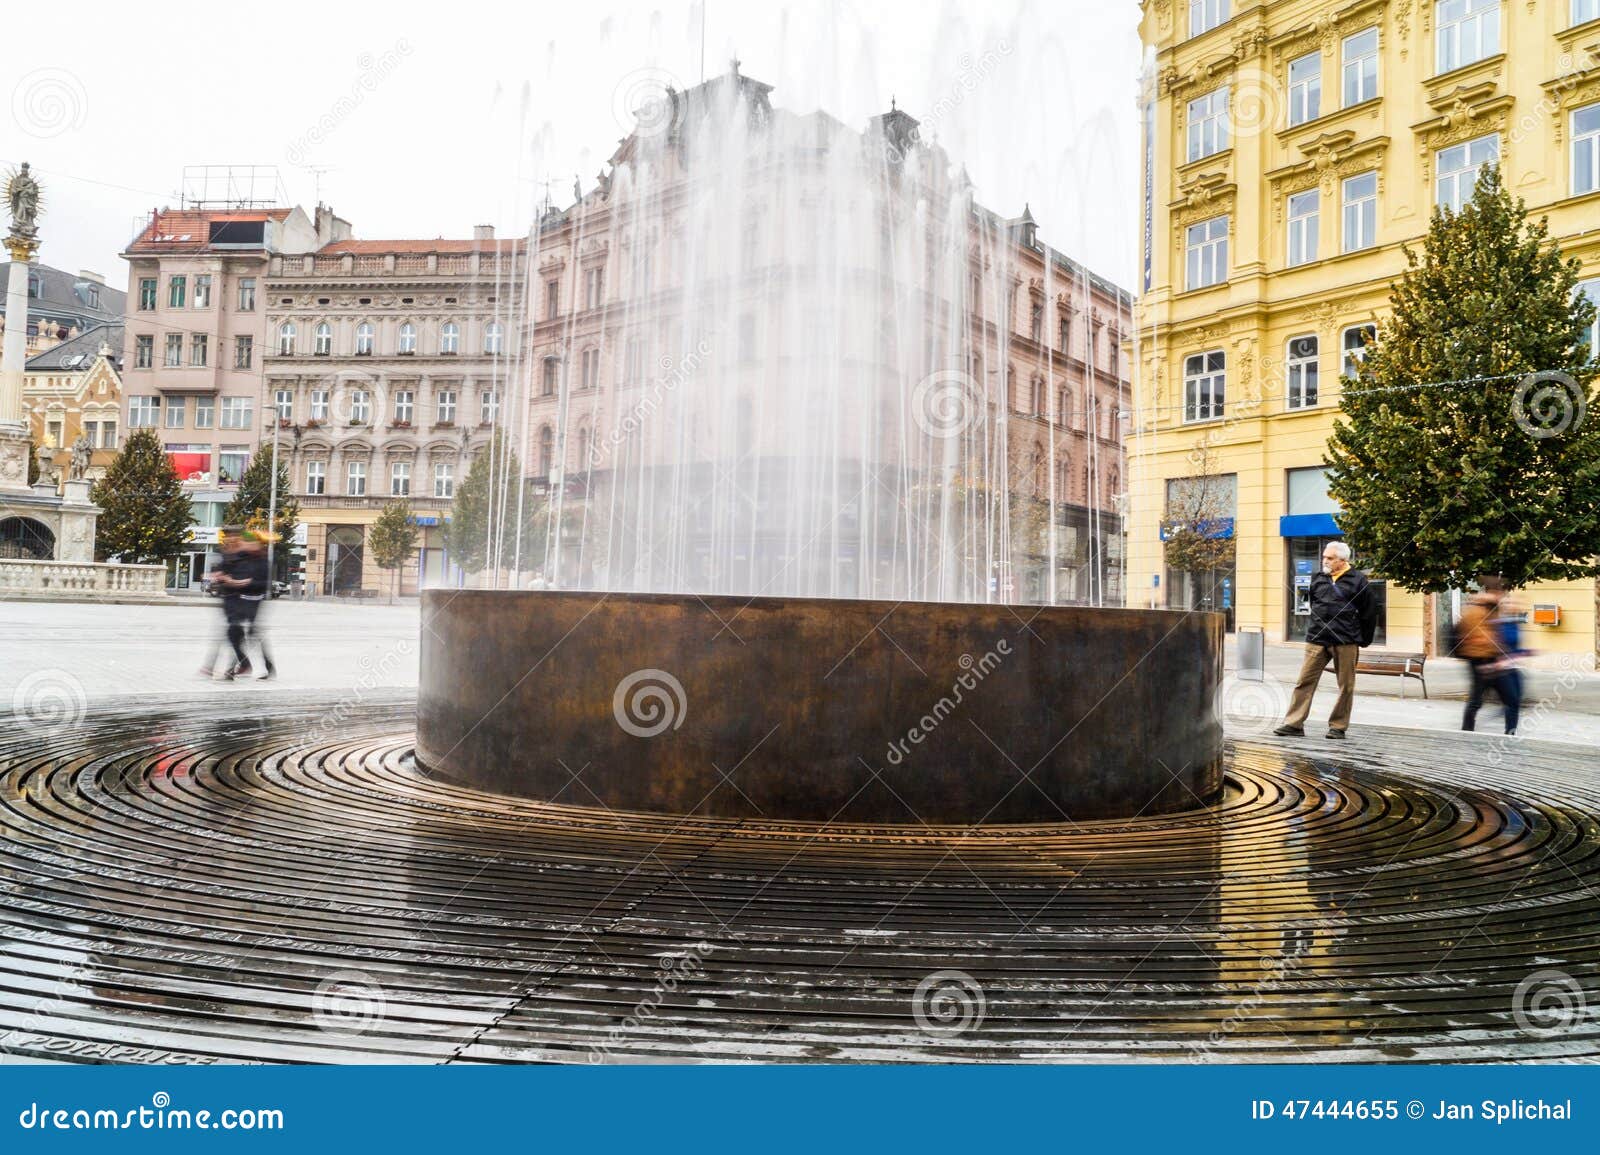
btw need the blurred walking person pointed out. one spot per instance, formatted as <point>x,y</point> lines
<point>1344,617</point>
<point>253,595</point>
<point>1487,637</point>
<point>219,578</point>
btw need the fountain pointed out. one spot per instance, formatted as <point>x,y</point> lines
<point>810,523</point>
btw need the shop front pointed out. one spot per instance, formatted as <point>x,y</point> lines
<point>1308,527</point>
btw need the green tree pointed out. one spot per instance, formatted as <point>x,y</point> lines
<point>251,503</point>
<point>33,460</point>
<point>489,491</point>
<point>145,515</point>
<point>393,538</point>
<point>1469,444</point>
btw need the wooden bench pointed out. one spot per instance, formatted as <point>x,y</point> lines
<point>1389,665</point>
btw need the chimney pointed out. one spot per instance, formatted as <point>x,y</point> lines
<point>483,232</point>
<point>95,278</point>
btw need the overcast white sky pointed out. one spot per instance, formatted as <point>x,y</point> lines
<point>441,116</point>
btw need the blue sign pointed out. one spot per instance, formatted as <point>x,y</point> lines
<point>1303,567</point>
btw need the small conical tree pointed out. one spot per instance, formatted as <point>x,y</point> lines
<point>393,537</point>
<point>144,514</point>
<point>1470,443</point>
<point>488,494</point>
<point>250,505</point>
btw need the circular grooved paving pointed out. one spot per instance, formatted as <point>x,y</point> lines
<point>178,887</point>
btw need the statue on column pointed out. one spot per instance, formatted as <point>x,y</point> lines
<point>22,195</point>
<point>82,452</point>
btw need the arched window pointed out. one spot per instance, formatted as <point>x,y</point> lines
<point>364,339</point>
<point>450,338</point>
<point>322,340</point>
<point>286,339</point>
<point>408,338</point>
<point>492,337</point>
<point>1038,397</point>
<point>547,451</point>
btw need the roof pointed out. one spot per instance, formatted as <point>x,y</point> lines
<point>190,228</point>
<point>64,296</point>
<point>437,245</point>
<point>85,345</point>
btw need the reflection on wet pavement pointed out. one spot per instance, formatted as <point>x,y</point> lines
<point>175,887</point>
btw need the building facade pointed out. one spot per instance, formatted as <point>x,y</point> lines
<point>1292,148</point>
<point>62,306</point>
<point>74,389</point>
<point>386,370</point>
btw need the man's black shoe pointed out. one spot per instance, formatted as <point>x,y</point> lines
<point>1290,732</point>
<point>1336,733</point>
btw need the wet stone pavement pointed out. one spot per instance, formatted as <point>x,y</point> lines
<point>176,887</point>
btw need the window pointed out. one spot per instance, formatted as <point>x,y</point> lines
<point>488,406</point>
<point>316,477</point>
<point>231,464</point>
<point>283,402</point>
<point>1361,212</point>
<point>147,293</point>
<point>364,339</point>
<point>1063,331</point>
<point>547,384</point>
<point>174,350</point>
<point>286,339</point>
<point>1586,149</point>
<point>552,300</point>
<point>1303,371</point>
<point>355,479</point>
<point>408,339</point>
<point>493,338</point>
<point>236,412</point>
<point>1361,67</point>
<point>143,412</point>
<point>108,435</point>
<point>1204,386</point>
<point>1305,88</point>
<point>199,349</point>
<point>202,292</point>
<point>591,368</point>
<point>400,479</point>
<point>1591,290</point>
<point>144,352</point>
<point>1205,15</point>
<point>360,406</point>
<point>1357,340</point>
<point>1459,167</point>
<point>1208,124</point>
<point>322,340</point>
<point>1469,30</point>
<point>632,362</point>
<point>446,407</point>
<point>247,294</point>
<point>450,338</point>
<point>1208,253</point>
<point>1036,322</point>
<point>176,289</point>
<point>319,405</point>
<point>205,412</point>
<point>403,406</point>
<point>593,280</point>
<point>547,451</point>
<point>444,479</point>
<point>243,351</point>
<point>1584,11</point>
<point>1304,210</point>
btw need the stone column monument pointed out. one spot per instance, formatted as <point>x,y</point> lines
<point>70,516</point>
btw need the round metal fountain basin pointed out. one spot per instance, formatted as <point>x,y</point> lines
<point>821,709</point>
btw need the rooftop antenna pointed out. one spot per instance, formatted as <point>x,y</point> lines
<point>316,176</point>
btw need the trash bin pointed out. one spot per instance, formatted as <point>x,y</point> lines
<point>1252,650</point>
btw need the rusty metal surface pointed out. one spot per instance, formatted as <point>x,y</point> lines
<point>819,709</point>
<point>178,887</point>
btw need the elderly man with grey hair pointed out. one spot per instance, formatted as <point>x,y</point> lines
<point>1344,617</point>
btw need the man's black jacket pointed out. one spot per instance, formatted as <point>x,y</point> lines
<point>1343,612</point>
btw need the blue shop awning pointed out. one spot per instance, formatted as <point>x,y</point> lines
<point>1308,525</point>
<point>1219,527</point>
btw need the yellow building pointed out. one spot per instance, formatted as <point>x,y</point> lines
<point>1291,149</point>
